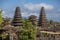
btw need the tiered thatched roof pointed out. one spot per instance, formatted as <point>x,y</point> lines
<point>17,21</point>
<point>42,18</point>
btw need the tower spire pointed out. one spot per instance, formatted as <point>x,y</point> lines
<point>42,18</point>
<point>17,21</point>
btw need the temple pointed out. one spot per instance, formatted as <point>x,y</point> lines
<point>17,21</point>
<point>42,18</point>
<point>33,19</point>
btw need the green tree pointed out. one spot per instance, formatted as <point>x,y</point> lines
<point>28,31</point>
<point>50,21</point>
<point>1,19</point>
<point>3,36</point>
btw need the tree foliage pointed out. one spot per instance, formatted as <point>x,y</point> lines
<point>1,19</point>
<point>3,36</point>
<point>52,22</point>
<point>28,31</point>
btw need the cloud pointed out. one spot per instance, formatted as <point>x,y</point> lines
<point>26,14</point>
<point>31,6</point>
<point>59,10</point>
<point>2,11</point>
<point>32,9</point>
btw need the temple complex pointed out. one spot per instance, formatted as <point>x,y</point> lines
<point>44,32</point>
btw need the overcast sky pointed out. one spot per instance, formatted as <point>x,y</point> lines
<point>32,7</point>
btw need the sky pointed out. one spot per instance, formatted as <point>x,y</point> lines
<point>31,7</point>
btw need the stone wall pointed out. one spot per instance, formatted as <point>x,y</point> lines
<point>45,35</point>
